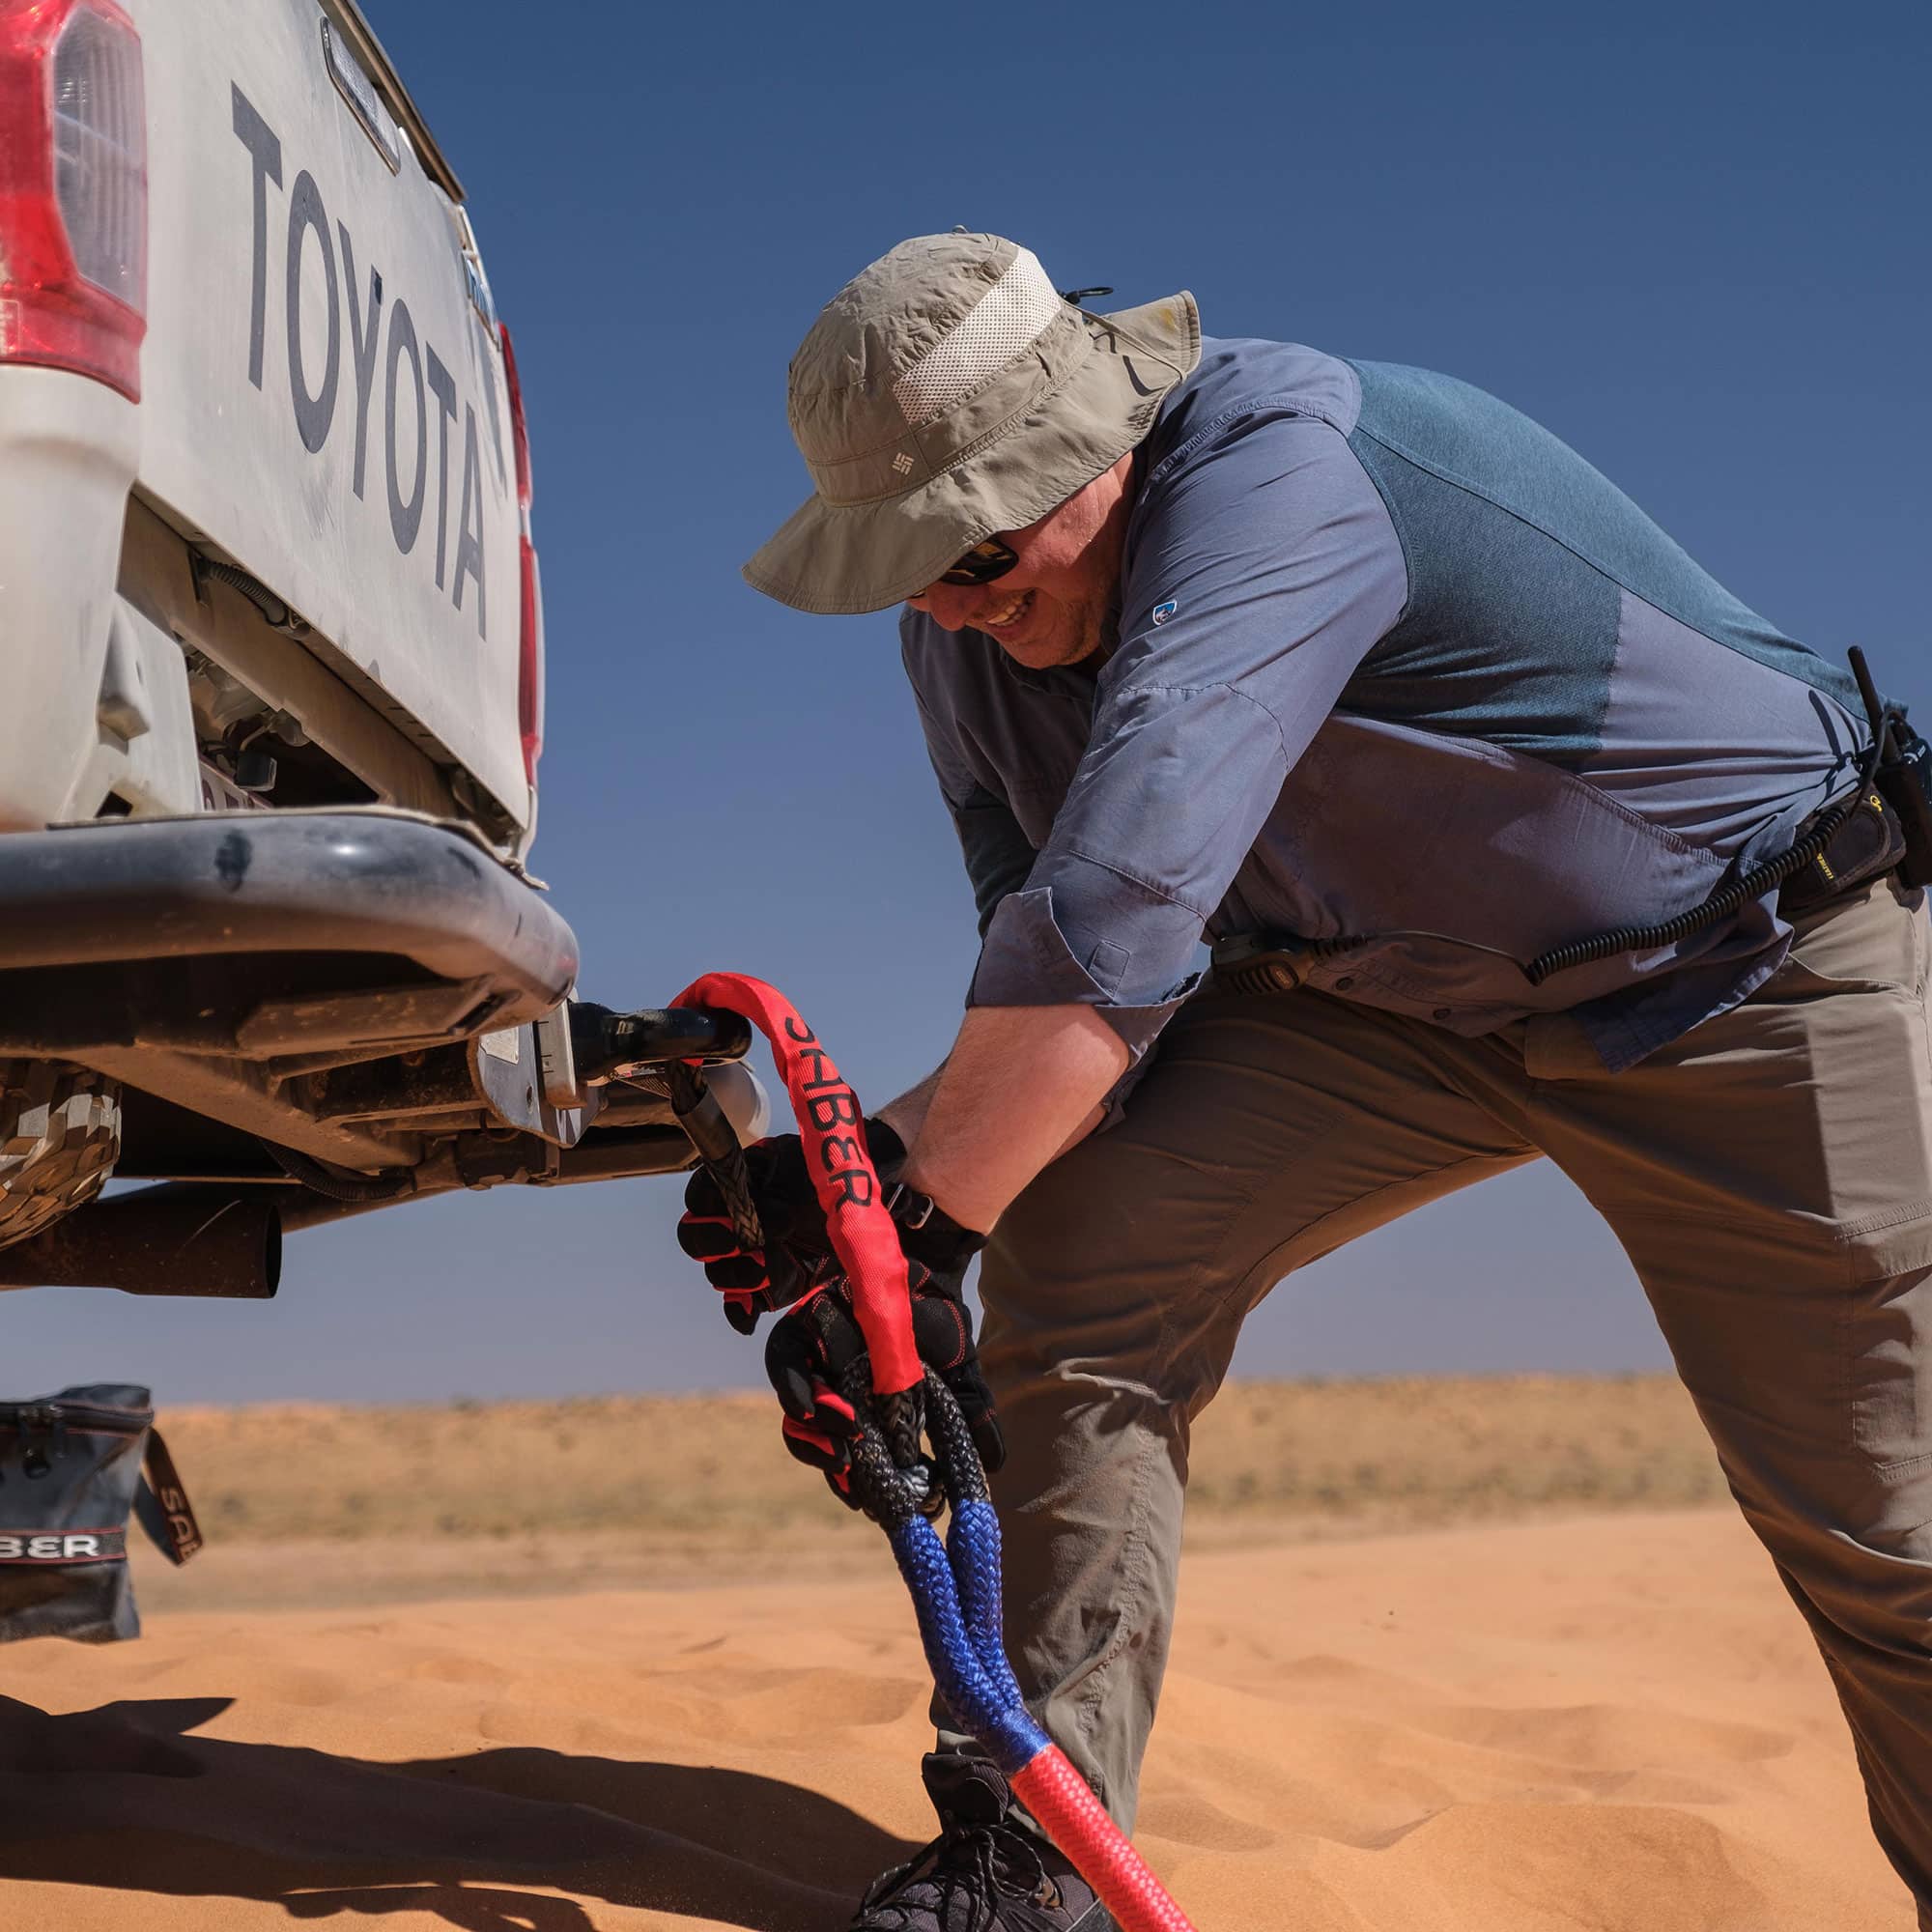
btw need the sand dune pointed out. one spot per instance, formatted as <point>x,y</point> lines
<point>309,1506</point>
<point>1614,1723</point>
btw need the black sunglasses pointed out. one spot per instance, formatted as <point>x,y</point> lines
<point>983,563</point>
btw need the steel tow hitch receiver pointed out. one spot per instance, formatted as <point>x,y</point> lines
<point>607,1044</point>
<point>648,1054</point>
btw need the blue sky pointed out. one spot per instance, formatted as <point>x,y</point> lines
<point>1691,240</point>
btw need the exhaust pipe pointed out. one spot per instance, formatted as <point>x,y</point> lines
<point>203,1246</point>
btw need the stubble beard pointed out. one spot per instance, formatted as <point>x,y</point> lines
<point>1077,639</point>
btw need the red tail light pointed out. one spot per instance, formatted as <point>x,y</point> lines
<point>73,190</point>
<point>531,659</point>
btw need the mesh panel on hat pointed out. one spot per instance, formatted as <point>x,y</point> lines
<point>1008,316</point>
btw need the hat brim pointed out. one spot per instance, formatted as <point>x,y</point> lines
<point>842,559</point>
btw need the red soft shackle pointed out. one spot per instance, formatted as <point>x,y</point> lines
<point>830,1123</point>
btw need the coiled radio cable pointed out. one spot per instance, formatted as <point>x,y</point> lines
<point>1748,886</point>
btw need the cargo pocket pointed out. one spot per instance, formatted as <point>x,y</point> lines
<point>1888,1336</point>
<point>1876,952</point>
<point>1854,1024</point>
<point>1876,940</point>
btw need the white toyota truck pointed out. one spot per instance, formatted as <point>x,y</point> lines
<point>271,666</point>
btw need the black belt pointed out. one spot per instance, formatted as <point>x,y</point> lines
<point>1871,842</point>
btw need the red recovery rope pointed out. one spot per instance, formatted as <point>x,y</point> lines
<point>955,1588</point>
<point>828,1124</point>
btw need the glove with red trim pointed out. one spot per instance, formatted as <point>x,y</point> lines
<point>810,1349</point>
<point>797,1250</point>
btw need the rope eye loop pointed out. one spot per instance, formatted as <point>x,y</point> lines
<point>894,1487</point>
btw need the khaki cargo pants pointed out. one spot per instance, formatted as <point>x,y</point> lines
<point>1770,1176</point>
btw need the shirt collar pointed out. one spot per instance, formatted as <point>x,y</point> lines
<point>1021,674</point>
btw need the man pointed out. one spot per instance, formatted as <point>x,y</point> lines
<point>1352,667</point>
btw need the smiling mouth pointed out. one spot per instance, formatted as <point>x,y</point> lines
<point>1006,618</point>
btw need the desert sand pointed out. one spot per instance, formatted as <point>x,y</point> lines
<point>1531,1719</point>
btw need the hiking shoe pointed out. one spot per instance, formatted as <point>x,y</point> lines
<point>987,1871</point>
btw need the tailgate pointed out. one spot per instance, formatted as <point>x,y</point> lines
<point>323,391</point>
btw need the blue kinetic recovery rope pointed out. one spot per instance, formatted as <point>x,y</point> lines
<point>955,1585</point>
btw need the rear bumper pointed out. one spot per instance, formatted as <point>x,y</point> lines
<point>219,962</point>
<point>264,934</point>
<point>371,990</point>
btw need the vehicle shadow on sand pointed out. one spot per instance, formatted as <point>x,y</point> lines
<point>125,1798</point>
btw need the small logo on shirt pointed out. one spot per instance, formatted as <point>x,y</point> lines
<point>1163,612</point>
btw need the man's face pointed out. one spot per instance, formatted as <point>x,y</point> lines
<point>1052,607</point>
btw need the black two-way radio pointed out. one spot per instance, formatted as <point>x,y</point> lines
<point>1903,778</point>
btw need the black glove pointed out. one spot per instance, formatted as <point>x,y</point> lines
<point>809,1349</point>
<point>797,1250</point>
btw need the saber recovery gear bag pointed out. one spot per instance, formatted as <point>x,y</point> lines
<point>71,1466</point>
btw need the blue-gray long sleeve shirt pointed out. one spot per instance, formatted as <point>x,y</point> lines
<point>1392,662</point>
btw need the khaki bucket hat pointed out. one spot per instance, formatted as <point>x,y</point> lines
<point>949,393</point>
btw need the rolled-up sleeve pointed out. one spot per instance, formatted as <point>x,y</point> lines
<point>1263,567</point>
